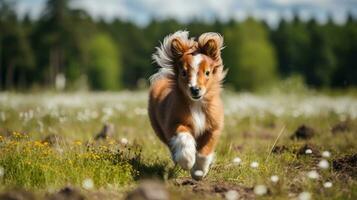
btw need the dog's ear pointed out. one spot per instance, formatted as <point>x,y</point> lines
<point>178,47</point>
<point>211,44</point>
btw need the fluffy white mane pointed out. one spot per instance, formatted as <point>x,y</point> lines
<point>164,57</point>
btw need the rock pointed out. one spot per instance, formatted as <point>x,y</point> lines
<point>304,133</point>
<point>340,127</point>
<point>149,190</point>
<point>107,131</point>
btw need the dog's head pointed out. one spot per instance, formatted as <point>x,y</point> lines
<point>196,65</point>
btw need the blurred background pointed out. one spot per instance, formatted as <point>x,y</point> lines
<point>107,45</point>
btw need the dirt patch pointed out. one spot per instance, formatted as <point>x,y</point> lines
<point>280,149</point>
<point>216,188</point>
<point>66,193</point>
<point>303,132</point>
<point>346,165</point>
<point>341,127</point>
<point>17,194</point>
<point>309,150</point>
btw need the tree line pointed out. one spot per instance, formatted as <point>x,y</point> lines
<point>114,55</point>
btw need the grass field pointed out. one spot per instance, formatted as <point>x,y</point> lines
<point>47,143</point>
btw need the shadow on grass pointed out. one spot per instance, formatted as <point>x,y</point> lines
<point>156,170</point>
<point>143,168</point>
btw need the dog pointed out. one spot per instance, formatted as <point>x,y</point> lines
<point>185,107</point>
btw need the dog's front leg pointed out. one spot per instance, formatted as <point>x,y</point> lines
<point>205,154</point>
<point>183,147</point>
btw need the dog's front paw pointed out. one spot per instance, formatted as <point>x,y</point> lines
<point>184,150</point>
<point>201,167</point>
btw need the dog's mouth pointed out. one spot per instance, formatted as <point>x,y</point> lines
<point>196,98</point>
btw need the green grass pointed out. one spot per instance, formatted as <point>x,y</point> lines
<point>116,168</point>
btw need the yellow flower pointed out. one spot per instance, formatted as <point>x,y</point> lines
<point>77,142</point>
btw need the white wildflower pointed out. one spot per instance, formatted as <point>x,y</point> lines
<point>274,178</point>
<point>231,195</point>
<point>327,184</point>
<point>88,184</point>
<point>323,164</point>
<point>326,154</point>
<point>313,174</point>
<point>260,190</point>
<point>237,160</point>
<point>304,196</point>
<point>308,151</point>
<point>254,164</point>
<point>124,141</point>
<point>2,171</point>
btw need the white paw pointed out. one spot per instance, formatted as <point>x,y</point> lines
<point>183,148</point>
<point>201,167</point>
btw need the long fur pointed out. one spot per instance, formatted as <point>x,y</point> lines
<point>164,57</point>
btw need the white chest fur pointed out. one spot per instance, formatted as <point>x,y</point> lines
<point>199,118</point>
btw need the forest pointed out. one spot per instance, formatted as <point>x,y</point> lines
<point>65,48</point>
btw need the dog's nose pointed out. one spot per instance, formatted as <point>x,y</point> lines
<point>195,91</point>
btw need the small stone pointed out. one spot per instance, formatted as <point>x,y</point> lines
<point>149,190</point>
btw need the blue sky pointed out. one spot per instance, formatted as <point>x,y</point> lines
<point>141,11</point>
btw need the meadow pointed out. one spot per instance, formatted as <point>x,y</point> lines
<point>48,142</point>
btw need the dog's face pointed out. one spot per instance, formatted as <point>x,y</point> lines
<point>199,64</point>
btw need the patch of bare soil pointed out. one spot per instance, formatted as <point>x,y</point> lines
<point>341,127</point>
<point>66,193</point>
<point>215,188</point>
<point>303,132</point>
<point>309,149</point>
<point>17,194</point>
<point>280,149</point>
<point>346,165</point>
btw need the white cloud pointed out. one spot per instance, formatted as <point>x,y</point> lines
<point>141,11</point>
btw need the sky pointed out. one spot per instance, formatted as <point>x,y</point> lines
<point>142,11</point>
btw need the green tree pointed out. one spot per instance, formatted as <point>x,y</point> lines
<point>104,68</point>
<point>292,42</point>
<point>249,56</point>
<point>322,62</point>
<point>15,52</point>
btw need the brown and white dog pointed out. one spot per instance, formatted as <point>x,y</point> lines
<point>185,106</point>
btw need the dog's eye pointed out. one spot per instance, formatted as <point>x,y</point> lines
<point>207,73</point>
<point>183,73</point>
